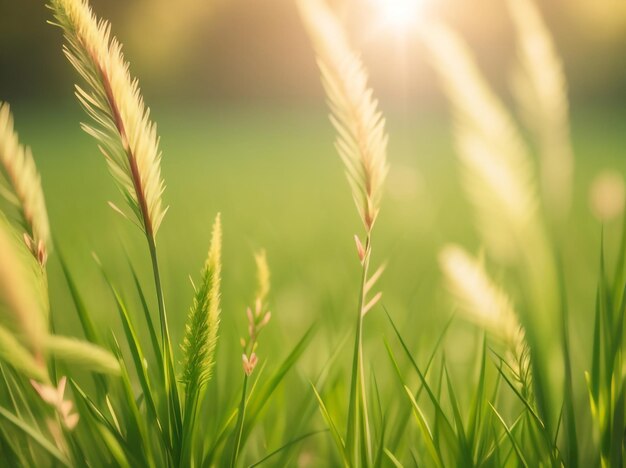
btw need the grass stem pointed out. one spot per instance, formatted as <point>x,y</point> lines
<point>240,420</point>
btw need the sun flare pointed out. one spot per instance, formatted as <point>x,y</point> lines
<point>399,14</point>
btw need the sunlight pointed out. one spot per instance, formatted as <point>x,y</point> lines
<point>399,14</point>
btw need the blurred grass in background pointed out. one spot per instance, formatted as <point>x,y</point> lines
<point>275,178</point>
<point>232,87</point>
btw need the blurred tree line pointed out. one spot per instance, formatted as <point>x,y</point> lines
<point>242,50</point>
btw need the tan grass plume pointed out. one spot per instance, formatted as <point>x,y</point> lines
<point>541,90</point>
<point>497,170</point>
<point>259,316</point>
<point>24,191</point>
<point>362,140</point>
<point>22,317</point>
<point>121,122</point>
<point>486,304</point>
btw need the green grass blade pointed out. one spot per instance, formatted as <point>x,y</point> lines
<point>100,428</point>
<point>516,447</point>
<point>476,412</point>
<point>339,442</point>
<point>569,415</point>
<point>392,458</point>
<point>466,451</point>
<point>35,436</point>
<point>263,396</point>
<point>87,325</point>
<point>424,429</point>
<point>286,446</point>
<point>138,361</point>
<point>449,431</point>
<point>400,428</point>
<point>139,435</point>
<point>100,418</point>
<point>156,349</point>
<point>433,398</point>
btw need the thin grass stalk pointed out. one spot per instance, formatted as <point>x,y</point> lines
<point>241,416</point>
<point>130,144</point>
<point>258,318</point>
<point>362,146</point>
<point>358,419</point>
<point>169,375</point>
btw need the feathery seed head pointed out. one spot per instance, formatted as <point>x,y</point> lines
<point>24,191</point>
<point>362,140</point>
<point>541,90</point>
<point>480,299</point>
<point>498,173</point>
<point>121,123</point>
<point>202,326</point>
<point>259,317</point>
<point>20,288</point>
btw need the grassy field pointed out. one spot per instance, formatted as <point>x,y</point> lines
<point>275,177</point>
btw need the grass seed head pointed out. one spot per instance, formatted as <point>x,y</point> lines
<point>362,139</point>
<point>24,191</point>
<point>121,122</point>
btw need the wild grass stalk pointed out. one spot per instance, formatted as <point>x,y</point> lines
<point>258,318</point>
<point>200,343</point>
<point>362,146</point>
<point>129,142</point>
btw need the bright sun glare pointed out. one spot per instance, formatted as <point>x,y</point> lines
<point>399,14</point>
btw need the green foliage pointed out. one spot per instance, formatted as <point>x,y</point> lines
<point>443,394</point>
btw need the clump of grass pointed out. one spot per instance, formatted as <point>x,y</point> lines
<point>31,350</point>
<point>499,178</point>
<point>161,424</point>
<point>606,384</point>
<point>362,146</point>
<point>146,411</point>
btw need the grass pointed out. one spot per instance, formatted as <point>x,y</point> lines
<point>308,286</point>
<point>242,146</point>
<point>419,386</point>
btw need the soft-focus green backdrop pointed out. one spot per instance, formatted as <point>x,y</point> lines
<point>234,89</point>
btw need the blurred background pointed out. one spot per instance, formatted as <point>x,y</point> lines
<point>242,50</point>
<point>236,93</point>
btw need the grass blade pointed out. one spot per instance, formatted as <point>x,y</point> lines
<point>35,436</point>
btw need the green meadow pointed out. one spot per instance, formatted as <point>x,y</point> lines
<point>274,176</point>
<point>372,281</point>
